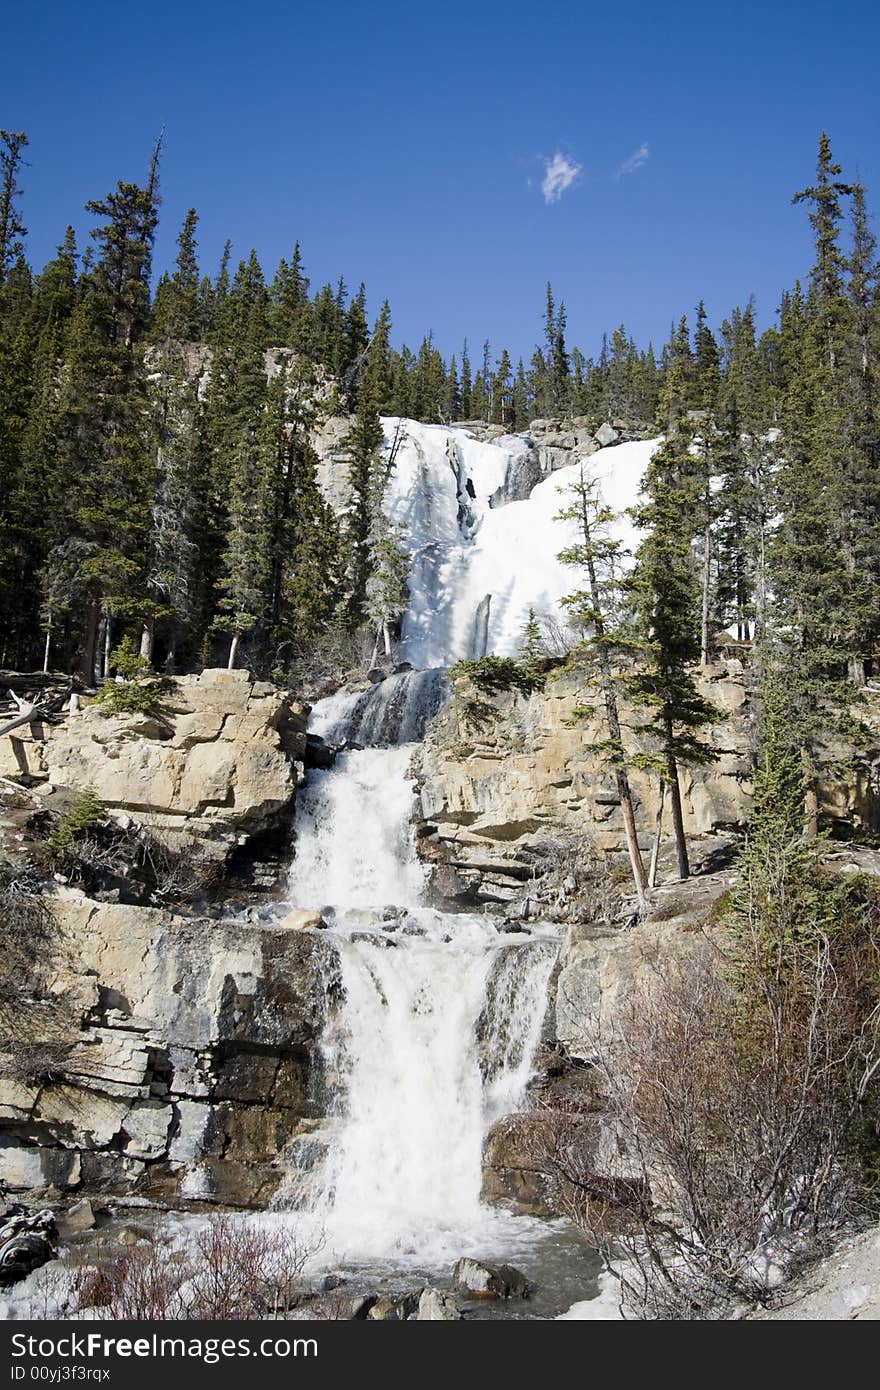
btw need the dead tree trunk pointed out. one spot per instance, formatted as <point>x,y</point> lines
<point>655,852</point>
<point>26,713</point>
<point>681,854</point>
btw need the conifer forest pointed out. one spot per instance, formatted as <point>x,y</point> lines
<point>439,793</point>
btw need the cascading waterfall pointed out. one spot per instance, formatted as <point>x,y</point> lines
<point>441,1014</point>
<point>440,1017</point>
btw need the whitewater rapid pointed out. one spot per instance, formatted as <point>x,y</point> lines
<point>439,1020</point>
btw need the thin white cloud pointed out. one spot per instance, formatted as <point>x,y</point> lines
<point>635,161</point>
<point>560,173</point>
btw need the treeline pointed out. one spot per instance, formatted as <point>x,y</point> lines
<point>760,514</point>
<point>159,484</point>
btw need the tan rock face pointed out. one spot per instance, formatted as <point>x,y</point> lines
<point>224,756</point>
<point>193,1070</point>
<point>503,771</point>
<point>527,767</point>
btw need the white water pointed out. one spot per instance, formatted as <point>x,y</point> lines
<point>436,1033</point>
<point>441,1015</point>
<point>353,835</point>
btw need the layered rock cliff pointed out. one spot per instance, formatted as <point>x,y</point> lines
<point>189,1061</point>
<point>218,760</point>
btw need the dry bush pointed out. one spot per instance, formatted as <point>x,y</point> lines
<point>228,1270</point>
<point>572,881</point>
<point>320,668</point>
<point>742,1085</point>
<point>36,1029</point>
<point>176,874</point>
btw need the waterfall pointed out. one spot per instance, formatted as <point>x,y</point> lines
<point>435,1033</point>
<point>481,527</point>
<point>402,1180</point>
<point>393,711</point>
<point>353,844</point>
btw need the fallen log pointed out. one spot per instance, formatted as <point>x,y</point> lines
<point>26,714</point>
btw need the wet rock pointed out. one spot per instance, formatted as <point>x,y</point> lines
<point>26,1242</point>
<point>362,1305</point>
<point>319,755</point>
<point>480,1280</point>
<point>77,1219</point>
<point>437,1306</point>
<point>397,1308</point>
<point>302,919</point>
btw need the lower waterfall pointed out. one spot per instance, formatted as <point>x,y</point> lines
<point>435,1034</point>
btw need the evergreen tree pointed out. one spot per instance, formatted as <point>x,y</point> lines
<point>176,310</point>
<point>502,403</point>
<point>664,594</point>
<point>387,594</point>
<point>520,399</point>
<point>367,485</point>
<point>532,647</point>
<point>12,228</point>
<point>595,608</point>
<point>104,430</point>
<point>467,408</point>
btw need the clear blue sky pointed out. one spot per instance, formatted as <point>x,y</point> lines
<point>406,144</point>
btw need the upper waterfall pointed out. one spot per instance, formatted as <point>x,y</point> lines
<point>387,714</point>
<point>480,561</point>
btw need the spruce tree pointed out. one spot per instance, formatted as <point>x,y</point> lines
<point>595,609</point>
<point>664,593</point>
<point>366,482</point>
<point>104,433</point>
<point>12,228</point>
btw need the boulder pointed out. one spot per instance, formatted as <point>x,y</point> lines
<point>302,919</point>
<point>605,435</point>
<point>437,1306</point>
<point>26,1242</point>
<point>223,757</point>
<point>478,1279</point>
<point>77,1219</point>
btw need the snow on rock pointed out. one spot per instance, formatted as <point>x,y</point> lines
<point>479,563</point>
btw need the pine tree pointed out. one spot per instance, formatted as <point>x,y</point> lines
<point>664,594</point>
<point>104,430</point>
<point>595,610</point>
<point>502,405</point>
<point>466,384</point>
<point>532,647</point>
<point>520,399</point>
<point>822,594</point>
<point>176,312</point>
<point>366,480</point>
<point>12,228</point>
<point>387,594</point>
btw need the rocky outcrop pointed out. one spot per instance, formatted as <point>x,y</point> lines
<point>219,760</point>
<point>507,779</point>
<point>558,442</point>
<point>503,773</point>
<point>194,1066</point>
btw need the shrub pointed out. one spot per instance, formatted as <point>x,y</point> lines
<point>86,813</point>
<point>498,673</point>
<point>36,1029</point>
<point>230,1269</point>
<point>128,663</point>
<point>129,697</point>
